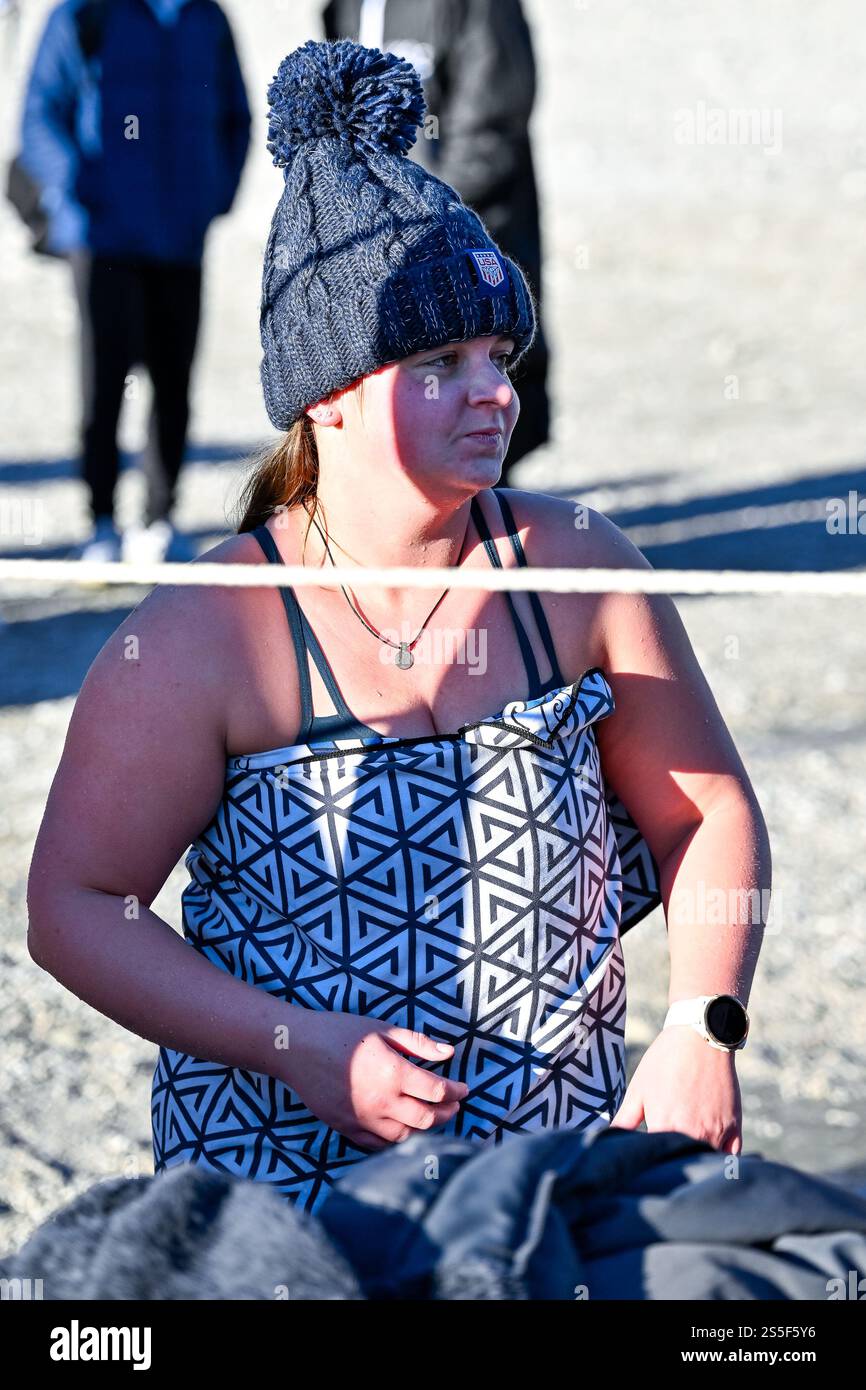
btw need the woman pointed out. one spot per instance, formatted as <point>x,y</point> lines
<point>407,867</point>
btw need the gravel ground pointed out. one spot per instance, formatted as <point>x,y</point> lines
<point>707,307</point>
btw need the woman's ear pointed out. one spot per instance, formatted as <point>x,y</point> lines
<point>325,413</point>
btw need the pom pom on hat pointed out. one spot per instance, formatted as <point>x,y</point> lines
<point>372,99</point>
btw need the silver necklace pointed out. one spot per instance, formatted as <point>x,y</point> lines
<point>404,658</point>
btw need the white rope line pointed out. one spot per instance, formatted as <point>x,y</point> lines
<point>847,583</point>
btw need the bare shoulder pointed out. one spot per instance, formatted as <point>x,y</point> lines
<point>201,614</point>
<point>562,531</point>
<point>146,743</point>
<point>668,752</point>
<point>183,636</point>
<point>591,629</point>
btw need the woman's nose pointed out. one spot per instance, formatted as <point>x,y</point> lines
<point>490,385</point>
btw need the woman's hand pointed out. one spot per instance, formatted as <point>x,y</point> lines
<point>352,1071</point>
<point>682,1083</point>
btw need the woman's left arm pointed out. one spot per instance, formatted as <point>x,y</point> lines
<point>669,756</point>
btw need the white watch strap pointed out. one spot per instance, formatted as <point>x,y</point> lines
<point>688,1011</point>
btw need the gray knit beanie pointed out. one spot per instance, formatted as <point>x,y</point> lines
<point>370,258</point>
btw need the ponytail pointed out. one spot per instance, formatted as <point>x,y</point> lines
<point>283,475</point>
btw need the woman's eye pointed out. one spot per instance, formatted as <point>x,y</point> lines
<point>504,357</point>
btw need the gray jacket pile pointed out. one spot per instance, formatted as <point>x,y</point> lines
<point>620,1214</point>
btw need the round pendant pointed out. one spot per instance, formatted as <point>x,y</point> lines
<point>404,658</point>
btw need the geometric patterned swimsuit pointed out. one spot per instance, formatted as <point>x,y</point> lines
<point>472,885</point>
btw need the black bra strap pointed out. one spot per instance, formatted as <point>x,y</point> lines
<point>525,645</point>
<point>537,609</point>
<point>305,640</point>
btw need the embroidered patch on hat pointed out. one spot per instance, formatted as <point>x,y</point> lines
<point>490,269</point>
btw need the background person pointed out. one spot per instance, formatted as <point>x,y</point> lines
<point>136,126</point>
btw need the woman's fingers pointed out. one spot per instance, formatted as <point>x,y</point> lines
<point>427,1085</point>
<point>418,1116</point>
<point>418,1044</point>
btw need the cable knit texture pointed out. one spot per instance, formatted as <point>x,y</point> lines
<point>370,258</point>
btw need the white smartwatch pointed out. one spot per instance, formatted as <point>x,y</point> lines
<point>720,1019</point>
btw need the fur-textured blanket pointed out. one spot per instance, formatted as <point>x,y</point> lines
<point>620,1214</point>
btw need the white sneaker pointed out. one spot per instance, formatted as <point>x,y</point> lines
<point>103,544</point>
<point>147,545</point>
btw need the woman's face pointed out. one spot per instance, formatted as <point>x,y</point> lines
<point>421,415</point>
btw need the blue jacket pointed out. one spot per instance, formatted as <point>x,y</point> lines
<point>140,146</point>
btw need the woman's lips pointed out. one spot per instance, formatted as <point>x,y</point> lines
<point>489,436</point>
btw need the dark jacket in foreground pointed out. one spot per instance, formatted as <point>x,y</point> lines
<point>620,1214</point>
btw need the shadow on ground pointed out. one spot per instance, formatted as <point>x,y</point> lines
<point>807,523</point>
<point>21,472</point>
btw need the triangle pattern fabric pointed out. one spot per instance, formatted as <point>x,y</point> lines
<point>474,886</point>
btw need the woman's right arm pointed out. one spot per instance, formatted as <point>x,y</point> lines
<point>142,772</point>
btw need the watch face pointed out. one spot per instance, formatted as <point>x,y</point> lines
<point>726,1020</point>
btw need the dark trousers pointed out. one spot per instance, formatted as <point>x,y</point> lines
<point>135,312</point>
